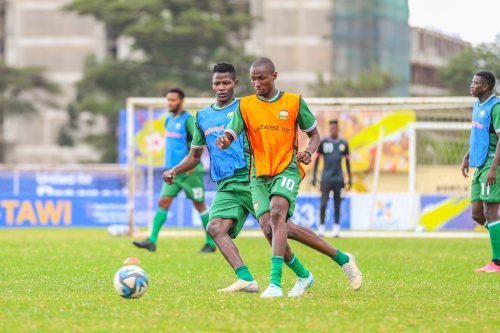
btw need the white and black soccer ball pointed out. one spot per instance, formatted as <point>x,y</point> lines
<point>131,282</point>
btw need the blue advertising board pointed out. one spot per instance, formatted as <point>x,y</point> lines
<point>97,199</point>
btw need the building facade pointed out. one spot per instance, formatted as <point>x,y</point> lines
<point>431,51</point>
<point>296,34</point>
<point>41,33</point>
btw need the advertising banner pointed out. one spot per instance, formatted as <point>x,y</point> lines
<point>98,199</point>
<point>385,211</point>
<point>446,212</point>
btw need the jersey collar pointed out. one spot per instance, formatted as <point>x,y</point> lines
<point>217,108</point>
<point>272,99</point>
<point>486,101</point>
<point>178,115</point>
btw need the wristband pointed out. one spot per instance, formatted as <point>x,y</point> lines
<point>308,153</point>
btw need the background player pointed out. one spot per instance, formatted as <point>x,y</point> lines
<point>333,149</point>
<point>484,154</point>
<point>270,118</point>
<point>179,127</point>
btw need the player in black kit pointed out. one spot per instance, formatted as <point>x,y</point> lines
<point>333,149</point>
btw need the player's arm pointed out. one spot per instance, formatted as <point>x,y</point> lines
<point>316,163</point>
<point>235,127</point>
<point>191,160</point>
<point>348,165</point>
<point>465,165</point>
<point>190,128</point>
<point>309,125</point>
<point>491,178</point>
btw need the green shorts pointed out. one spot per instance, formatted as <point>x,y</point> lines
<point>286,185</point>
<point>192,184</point>
<point>234,202</point>
<point>479,190</point>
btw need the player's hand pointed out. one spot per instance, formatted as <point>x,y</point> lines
<point>465,167</point>
<point>223,142</point>
<point>491,178</point>
<point>304,157</point>
<point>169,177</point>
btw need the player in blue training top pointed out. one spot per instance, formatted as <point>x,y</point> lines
<point>233,199</point>
<point>484,155</point>
<point>179,126</point>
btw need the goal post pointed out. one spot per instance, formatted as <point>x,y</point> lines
<point>437,127</point>
<point>362,122</point>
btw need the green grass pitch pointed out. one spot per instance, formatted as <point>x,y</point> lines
<point>61,281</point>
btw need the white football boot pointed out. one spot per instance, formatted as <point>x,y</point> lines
<point>352,272</point>
<point>321,230</point>
<point>241,286</point>
<point>335,230</point>
<point>272,291</point>
<point>301,285</point>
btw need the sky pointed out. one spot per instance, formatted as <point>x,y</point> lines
<point>475,21</point>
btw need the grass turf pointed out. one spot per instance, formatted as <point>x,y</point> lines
<point>61,280</point>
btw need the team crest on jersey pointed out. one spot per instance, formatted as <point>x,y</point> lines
<point>283,114</point>
<point>230,115</point>
<point>256,206</point>
<point>482,113</point>
<point>178,126</point>
<point>342,147</point>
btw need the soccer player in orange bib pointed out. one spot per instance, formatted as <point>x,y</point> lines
<point>270,119</point>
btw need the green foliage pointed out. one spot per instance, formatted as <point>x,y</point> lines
<point>22,90</point>
<point>372,83</point>
<point>178,42</point>
<point>61,280</point>
<point>458,73</point>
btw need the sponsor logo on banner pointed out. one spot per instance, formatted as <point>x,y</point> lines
<point>382,212</point>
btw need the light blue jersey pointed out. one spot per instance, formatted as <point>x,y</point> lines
<point>210,124</point>
<point>177,138</point>
<point>483,135</point>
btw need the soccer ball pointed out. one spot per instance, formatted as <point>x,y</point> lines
<point>131,282</point>
<point>118,230</point>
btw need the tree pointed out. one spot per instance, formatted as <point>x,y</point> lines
<point>22,91</point>
<point>457,74</point>
<point>372,83</point>
<point>179,41</point>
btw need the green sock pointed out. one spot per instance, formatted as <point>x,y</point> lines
<point>204,221</point>
<point>494,228</point>
<point>340,258</point>
<point>297,267</point>
<point>243,273</point>
<point>160,217</point>
<point>276,270</point>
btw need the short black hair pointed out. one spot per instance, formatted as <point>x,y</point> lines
<point>263,61</point>
<point>488,77</point>
<point>223,67</point>
<point>178,91</point>
<point>334,122</point>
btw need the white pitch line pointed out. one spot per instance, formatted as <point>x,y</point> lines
<point>344,234</point>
